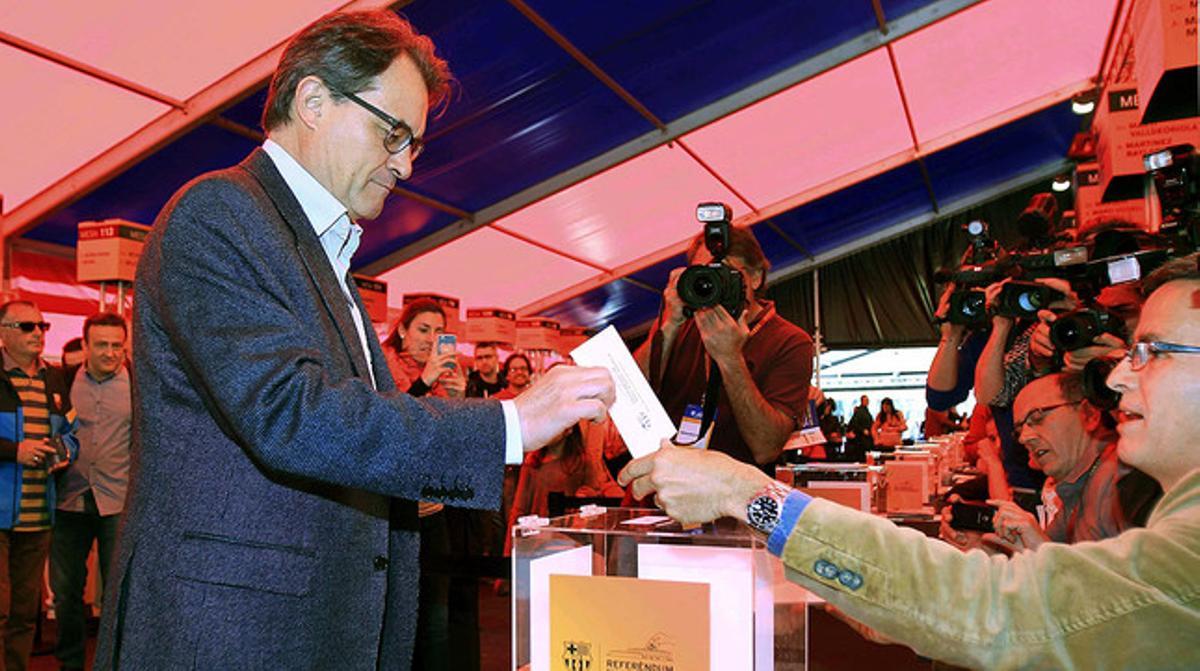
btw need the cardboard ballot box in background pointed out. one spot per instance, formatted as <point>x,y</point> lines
<point>454,322</point>
<point>1090,210</point>
<point>108,251</point>
<point>537,333</point>
<point>907,485</point>
<point>374,297</point>
<point>1123,142</point>
<point>491,325</point>
<point>1165,48</point>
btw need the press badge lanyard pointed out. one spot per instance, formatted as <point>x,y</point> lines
<point>712,389</point>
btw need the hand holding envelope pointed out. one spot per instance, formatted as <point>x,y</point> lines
<point>637,412</point>
<point>559,399</point>
<point>693,486</point>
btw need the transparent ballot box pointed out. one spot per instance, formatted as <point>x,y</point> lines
<point>629,590</point>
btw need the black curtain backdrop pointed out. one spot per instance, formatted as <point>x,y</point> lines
<point>885,295</point>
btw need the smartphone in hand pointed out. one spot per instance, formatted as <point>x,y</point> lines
<point>61,454</point>
<point>966,516</point>
<point>448,343</point>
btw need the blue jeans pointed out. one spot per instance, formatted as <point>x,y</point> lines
<point>74,534</point>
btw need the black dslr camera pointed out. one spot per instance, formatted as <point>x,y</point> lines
<point>713,284</point>
<point>1024,299</point>
<point>1174,174</point>
<point>979,267</point>
<point>1076,329</point>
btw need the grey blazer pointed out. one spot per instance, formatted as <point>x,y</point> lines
<point>271,521</point>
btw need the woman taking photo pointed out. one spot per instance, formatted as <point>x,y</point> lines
<point>889,426</point>
<point>421,370</point>
<point>412,355</point>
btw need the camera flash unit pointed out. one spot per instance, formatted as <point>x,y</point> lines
<point>710,212</point>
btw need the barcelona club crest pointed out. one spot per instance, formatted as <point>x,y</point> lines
<point>577,656</point>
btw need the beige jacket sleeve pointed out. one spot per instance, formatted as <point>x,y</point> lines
<point>1123,603</point>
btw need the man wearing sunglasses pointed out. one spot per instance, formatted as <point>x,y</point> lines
<point>1129,602</point>
<point>271,516</point>
<point>35,411</point>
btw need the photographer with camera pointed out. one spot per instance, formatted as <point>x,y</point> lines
<point>987,360</point>
<point>1100,325</point>
<point>952,371</point>
<point>716,325</point>
<point>1005,366</point>
<point>966,333</point>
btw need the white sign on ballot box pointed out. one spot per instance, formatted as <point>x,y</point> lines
<point>626,589</point>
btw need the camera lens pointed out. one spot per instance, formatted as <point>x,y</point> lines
<point>1068,334</point>
<point>1079,328</point>
<point>1071,332</point>
<point>699,287</point>
<point>708,286</point>
<point>967,307</point>
<point>1029,301</point>
<point>974,305</point>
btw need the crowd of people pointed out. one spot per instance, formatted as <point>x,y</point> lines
<point>65,436</point>
<point>1093,496</point>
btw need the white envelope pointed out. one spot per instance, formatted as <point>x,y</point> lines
<point>637,412</point>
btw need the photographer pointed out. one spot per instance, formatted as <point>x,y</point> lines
<point>1003,369</point>
<point>952,371</point>
<point>764,361</point>
<point>1121,301</point>
<point>972,349</point>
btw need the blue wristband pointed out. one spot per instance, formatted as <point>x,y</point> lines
<point>793,506</point>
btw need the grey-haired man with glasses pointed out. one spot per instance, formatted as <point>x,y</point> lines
<point>1129,602</point>
<point>271,520</point>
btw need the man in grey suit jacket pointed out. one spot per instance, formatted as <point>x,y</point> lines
<point>271,520</point>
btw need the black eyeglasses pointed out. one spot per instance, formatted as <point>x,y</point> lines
<point>1140,354</point>
<point>1034,417</point>
<point>27,327</point>
<point>399,136</point>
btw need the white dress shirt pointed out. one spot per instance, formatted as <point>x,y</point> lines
<point>339,238</point>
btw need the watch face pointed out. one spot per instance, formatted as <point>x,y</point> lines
<point>763,513</point>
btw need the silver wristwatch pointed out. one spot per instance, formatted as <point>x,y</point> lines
<point>765,508</point>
